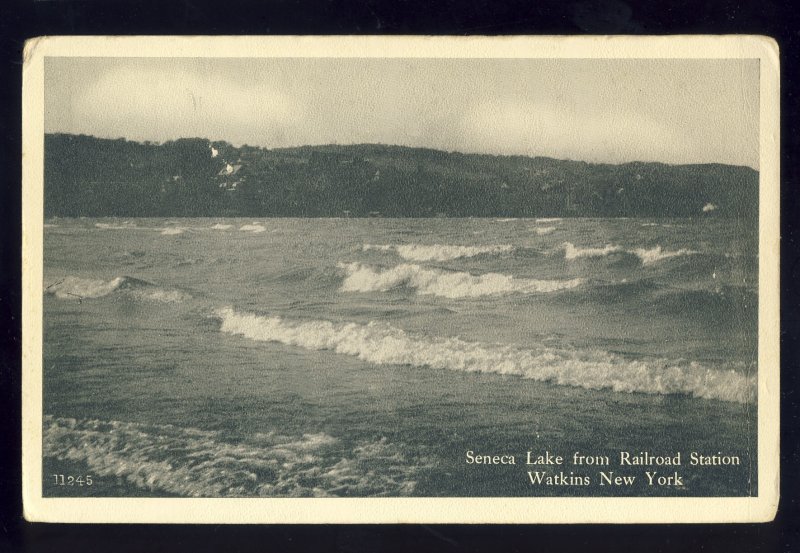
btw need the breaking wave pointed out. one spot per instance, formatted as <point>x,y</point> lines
<point>199,463</point>
<point>383,344</point>
<point>77,288</point>
<point>725,301</point>
<point>549,220</point>
<point>448,284</point>
<point>131,226</point>
<point>646,256</point>
<point>438,252</point>
<point>109,226</point>
<point>657,254</point>
<point>544,230</point>
<point>571,252</point>
<point>255,228</point>
<point>220,226</point>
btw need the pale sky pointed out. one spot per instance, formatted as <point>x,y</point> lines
<point>673,111</point>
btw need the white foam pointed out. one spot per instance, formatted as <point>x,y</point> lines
<point>127,225</point>
<point>506,220</point>
<point>544,230</point>
<point>255,228</point>
<point>220,226</point>
<point>109,226</point>
<point>197,463</point>
<point>448,284</point>
<point>383,344</point>
<point>172,231</point>
<point>657,254</point>
<point>646,256</point>
<point>572,252</point>
<point>549,220</point>
<point>79,288</point>
<point>438,252</point>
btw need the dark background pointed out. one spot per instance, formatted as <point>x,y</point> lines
<point>21,19</point>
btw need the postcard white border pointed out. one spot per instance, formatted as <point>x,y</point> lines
<point>403,510</point>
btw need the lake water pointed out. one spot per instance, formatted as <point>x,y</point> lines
<point>365,357</point>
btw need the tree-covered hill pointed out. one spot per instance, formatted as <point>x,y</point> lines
<point>88,176</point>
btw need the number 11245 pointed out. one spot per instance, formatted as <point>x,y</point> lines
<point>69,480</point>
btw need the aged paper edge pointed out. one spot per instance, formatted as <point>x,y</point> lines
<point>403,510</point>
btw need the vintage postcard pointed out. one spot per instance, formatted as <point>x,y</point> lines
<point>400,279</point>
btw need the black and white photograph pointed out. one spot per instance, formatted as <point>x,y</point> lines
<point>450,269</point>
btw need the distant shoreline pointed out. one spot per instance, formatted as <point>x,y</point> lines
<point>195,177</point>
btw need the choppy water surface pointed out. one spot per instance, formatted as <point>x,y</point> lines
<point>363,357</point>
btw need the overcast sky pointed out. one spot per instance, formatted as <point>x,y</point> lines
<point>674,111</point>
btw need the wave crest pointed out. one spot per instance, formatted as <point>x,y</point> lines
<point>571,252</point>
<point>110,226</point>
<point>382,344</point>
<point>657,254</point>
<point>77,288</point>
<point>646,256</point>
<point>438,252</point>
<point>255,228</point>
<point>448,284</point>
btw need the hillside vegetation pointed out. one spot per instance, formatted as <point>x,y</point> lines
<point>88,176</point>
